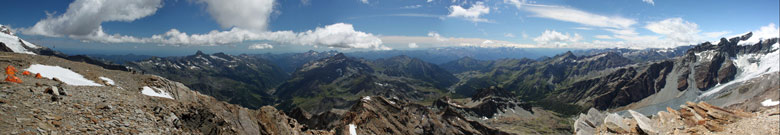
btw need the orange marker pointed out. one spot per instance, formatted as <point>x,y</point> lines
<point>10,70</point>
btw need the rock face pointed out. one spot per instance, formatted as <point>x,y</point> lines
<point>619,88</point>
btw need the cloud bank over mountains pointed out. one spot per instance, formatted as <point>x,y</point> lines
<point>247,20</point>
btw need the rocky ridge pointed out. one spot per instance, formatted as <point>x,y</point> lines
<point>692,118</point>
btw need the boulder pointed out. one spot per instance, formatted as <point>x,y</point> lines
<point>614,123</point>
<point>647,125</point>
<point>53,90</point>
<point>583,127</point>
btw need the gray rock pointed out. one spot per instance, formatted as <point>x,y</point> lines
<point>647,125</point>
<point>615,123</point>
<point>53,90</point>
<point>582,127</point>
<point>596,117</point>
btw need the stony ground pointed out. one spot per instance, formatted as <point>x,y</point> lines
<point>45,106</point>
<point>692,118</point>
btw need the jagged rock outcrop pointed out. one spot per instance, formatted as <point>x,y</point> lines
<point>619,88</point>
<point>692,118</point>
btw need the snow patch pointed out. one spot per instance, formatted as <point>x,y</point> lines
<point>352,129</point>
<point>769,102</point>
<point>149,91</point>
<point>65,75</point>
<point>705,55</point>
<point>108,80</point>
<point>367,98</point>
<point>13,43</point>
<point>751,66</point>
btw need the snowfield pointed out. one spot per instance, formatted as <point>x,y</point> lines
<point>751,66</point>
<point>13,43</point>
<point>149,91</point>
<point>65,75</point>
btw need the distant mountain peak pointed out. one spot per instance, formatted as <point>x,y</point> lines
<point>199,53</point>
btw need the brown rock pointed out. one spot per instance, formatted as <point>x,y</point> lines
<point>713,127</point>
<point>56,123</point>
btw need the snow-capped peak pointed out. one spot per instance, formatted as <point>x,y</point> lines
<point>13,42</point>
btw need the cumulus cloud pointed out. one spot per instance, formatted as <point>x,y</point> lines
<point>473,13</point>
<point>364,1</point>
<point>248,19</point>
<point>82,19</point>
<point>436,36</point>
<point>676,29</point>
<point>413,45</point>
<point>247,14</point>
<point>556,38</point>
<point>649,2</point>
<point>261,46</point>
<point>338,35</point>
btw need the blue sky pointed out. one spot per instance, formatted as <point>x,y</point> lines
<point>179,27</point>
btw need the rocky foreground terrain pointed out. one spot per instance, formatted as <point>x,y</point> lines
<point>123,102</point>
<point>691,118</point>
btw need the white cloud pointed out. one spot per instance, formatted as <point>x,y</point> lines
<point>677,30</point>
<point>429,1</point>
<point>248,18</point>
<point>603,37</point>
<point>553,37</point>
<point>436,36</point>
<point>246,14</point>
<point>411,6</point>
<point>516,3</point>
<point>413,45</point>
<point>649,2</point>
<point>83,18</point>
<point>261,46</point>
<point>578,16</point>
<point>338,35</point>
<point>471,14</point>
<point>364,1</point>
<point>510,35</point>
